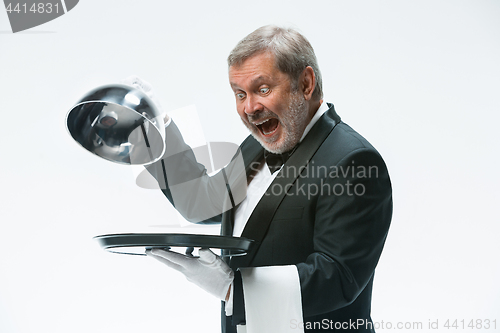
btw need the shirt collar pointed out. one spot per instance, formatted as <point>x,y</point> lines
<point>322,109</point>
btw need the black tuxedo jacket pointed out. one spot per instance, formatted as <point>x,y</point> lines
<point>328,212</point>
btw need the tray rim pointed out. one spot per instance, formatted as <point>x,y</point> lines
<point>235,245</point>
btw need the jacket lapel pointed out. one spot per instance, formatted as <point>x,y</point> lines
<point>258,223</point>
<point>252,152</point>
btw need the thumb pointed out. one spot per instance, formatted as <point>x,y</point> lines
<point>207,256</point>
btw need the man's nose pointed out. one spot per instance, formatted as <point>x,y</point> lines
<point>252,105</point>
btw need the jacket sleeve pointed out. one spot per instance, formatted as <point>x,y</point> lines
<point>185,182</point>
<point>351,222</point>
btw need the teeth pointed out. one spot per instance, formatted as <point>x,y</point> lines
<point>262,129</point>
<point>258,124</point>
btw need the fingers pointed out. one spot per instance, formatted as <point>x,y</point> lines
<point>145,87</point>
<point>137,82</point>
<point>208,271</point>
<point>164,261</point>
<point>176,258</point>
<point>188,263</point>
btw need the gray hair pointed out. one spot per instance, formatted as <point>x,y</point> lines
<point>292,52</point>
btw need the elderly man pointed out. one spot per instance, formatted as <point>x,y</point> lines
<point>315,198</point>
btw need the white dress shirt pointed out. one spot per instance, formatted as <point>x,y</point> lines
<point>272,294</point>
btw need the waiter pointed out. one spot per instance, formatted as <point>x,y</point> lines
<point>313,194</point>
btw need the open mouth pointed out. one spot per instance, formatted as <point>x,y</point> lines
<point>268,127</point>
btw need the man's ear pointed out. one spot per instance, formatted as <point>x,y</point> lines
<point>307,82</point>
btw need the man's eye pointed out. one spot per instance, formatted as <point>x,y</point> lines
<point>240,95</point>
<point>264,90</point>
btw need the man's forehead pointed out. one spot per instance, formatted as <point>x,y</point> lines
<point>255,69</point>
<point>234,79</point>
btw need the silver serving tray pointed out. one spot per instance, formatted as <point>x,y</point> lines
<point>137,244</point>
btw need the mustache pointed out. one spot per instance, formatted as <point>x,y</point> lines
<point>261,115</point>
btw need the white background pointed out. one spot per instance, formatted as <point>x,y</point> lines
<point>419,79</point>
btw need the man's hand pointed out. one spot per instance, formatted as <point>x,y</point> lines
<point>145,87</point>
<point>208,271</point>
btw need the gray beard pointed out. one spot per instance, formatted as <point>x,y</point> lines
<point>293,124</point>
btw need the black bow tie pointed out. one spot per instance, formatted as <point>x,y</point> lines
<point>276,161</point>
